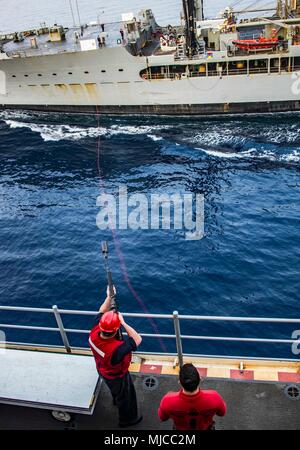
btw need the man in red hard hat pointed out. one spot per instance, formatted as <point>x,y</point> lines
<point>191,408</point>
<point>113,357</point>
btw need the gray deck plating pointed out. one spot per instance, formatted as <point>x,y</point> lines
<point>69,45</point>
<point>251,406</point>
<point>48,380</point>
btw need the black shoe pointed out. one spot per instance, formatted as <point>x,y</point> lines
<point>131,424</point>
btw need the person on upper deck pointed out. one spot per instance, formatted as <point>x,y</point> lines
<point>191,408</point>
<point>113,355</point>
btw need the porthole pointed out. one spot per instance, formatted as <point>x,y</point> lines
<point>54,74</point>
<point>14,76</point>
<point>26,76</point>
<point>86,71</point>
<point>70,73</point>
<point>121,70</point>
<point>40,75</point>
<point>103,71</point>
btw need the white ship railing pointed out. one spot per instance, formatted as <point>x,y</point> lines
<point>175,317</point>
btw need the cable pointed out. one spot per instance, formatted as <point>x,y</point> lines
<point>119,250</point>
<point>77,7</point>
<point>72,12</point>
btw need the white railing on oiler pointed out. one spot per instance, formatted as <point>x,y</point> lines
<point>175,317</point>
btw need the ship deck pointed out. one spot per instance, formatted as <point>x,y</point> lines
<point>251,406</point>
<point>260,394</point>
<point>45,47</point>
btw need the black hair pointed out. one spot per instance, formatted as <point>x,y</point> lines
<point>189,377</point>
<point>108,335</point>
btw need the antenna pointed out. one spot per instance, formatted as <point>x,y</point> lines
<point>77,7</point>
<point>72,12</point>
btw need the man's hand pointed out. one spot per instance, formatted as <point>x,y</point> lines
<point>108,291</point>
<point>105,307</point>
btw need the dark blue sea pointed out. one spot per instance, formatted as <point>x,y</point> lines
<point>247,264</point>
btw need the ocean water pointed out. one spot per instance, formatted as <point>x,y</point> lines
<point>247,264</point>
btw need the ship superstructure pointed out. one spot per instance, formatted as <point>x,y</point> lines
<point>203,66</point>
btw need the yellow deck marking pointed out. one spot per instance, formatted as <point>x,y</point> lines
<point>218,372</point>
<point>266,375</point>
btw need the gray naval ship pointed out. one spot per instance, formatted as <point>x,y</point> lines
<point>224,65</point>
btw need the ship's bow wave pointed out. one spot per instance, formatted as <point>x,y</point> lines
<point>273,138</point>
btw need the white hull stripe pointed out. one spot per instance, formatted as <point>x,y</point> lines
<point>97,350</point>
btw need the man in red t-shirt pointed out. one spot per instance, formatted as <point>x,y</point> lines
<point>113,357</point>
<point>191,408</point>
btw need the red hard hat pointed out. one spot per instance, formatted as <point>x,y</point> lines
<point>110,322</point>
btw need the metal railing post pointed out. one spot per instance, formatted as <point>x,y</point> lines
<point>178,338</point>
<point>61,328</point>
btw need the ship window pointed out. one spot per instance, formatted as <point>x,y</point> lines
<point>212,69</point>
<point>121,70</point>
<point>40,75</point>
<point>14,76</point>
<point>198,70</point>
<point>103,71</point>
<point>70,73</point>
<point>86,71</point>
<point>237,67</point>
<point>297,63</point>
<point>54,74</point>
<point>258,66</point>
<point>176,69</point>
<point>274,65</point>
<point>145,74</point>
<point>284,65</point>
<point>25,75</point>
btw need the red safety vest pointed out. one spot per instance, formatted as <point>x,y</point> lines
<point>103,350</point>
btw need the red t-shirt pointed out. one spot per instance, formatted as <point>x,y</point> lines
<point>192,412</point>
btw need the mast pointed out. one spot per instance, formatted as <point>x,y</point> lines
<point>199,13</point>
<point>295,7</point>
<point>288,8</point>
<point>193,11</point>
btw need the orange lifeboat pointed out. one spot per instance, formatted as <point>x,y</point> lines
<point>256,44</point>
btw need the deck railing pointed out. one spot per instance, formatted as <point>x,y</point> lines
<point>175,317</point>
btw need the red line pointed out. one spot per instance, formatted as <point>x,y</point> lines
<point>120,254</point>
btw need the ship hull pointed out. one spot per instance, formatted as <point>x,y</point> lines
<point>167,110</point>
<point>108,81</point>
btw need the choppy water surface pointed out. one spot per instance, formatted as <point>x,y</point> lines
<point>248,263</point>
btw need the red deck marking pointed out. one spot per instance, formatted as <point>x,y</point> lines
<point>148,368</point>
<point>202,372</point>
<point>244,375</point>
<point>289,377</point>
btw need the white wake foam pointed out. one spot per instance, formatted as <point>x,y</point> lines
<point>294,156</point>
<point>75,133</point>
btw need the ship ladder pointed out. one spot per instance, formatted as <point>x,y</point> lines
<point>180,51</point>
